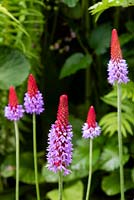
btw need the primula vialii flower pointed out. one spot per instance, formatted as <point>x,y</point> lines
<point>59,149</point>
<point>33,100</point>
<point>13,111</point>
<point>117,66</point>
<point>91,129</point>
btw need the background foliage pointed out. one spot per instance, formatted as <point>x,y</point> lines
<point>65,44</point>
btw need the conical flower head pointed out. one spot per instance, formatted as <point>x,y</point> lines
<point>117,67</point>
<point>59,149</point>
<point>32,88</point>
<point>62,114</point>
<point>91,129</point>
<point>33,100</point>
<point>13,111</point>
<point>116,53</point>
<point>13,100</point>
<point>91,117</point>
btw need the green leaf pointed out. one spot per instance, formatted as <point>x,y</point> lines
<point>70,3</point>
<point>80,163</point>
<point>27,174</point>
<point>8,14</point>
<point>111,183</point>
<point>9,195</point>
<point>26,170</point>
<point>72,192</point>
<point>130,26</point>
<point>125,38</point>
<point>8,166</point>
<point>103,5</point>
<point>100,38</point>
<point>108,123</point>
<point>74,63</point>
<point>132,174</point>
<point>110,157</point>
<point>49,176</point>
<point>73,12</point>
<point>76,124</point>
<point>14,67</point>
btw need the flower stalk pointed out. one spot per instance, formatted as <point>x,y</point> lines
<point>35,157</point>
<point>120,145</point>
<point>90,130</point>
<point>90,169</point>
<point>33,103</point>
<point>13,112</point>
<point>17,160</point>
<point>118,74</point>
<point>60,185</point>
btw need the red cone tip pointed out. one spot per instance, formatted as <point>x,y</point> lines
<point>62,114</point>
<point>116,53</point>
<point>32,86</point>
<point>91,117</point>
<point>64,100</point>
<point>13,100</point>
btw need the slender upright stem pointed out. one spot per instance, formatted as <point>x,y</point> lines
<point>17,160</point>
<point>35,157</point>
<point>1,185</point>
<point>90,169</point>
<point>120,146</point>
<point>60,185</point>
<point>87,86</point>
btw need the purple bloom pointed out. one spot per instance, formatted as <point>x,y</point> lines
<point>117,71</point>
<point>33,100</point>
<point>90,132</point>
<point>34,104</point>
<point>117,67</point>
<point>13,111</point>
<point>59,149</point>
<point>91,129</point>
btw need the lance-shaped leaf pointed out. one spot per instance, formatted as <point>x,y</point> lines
<point>74,63</point>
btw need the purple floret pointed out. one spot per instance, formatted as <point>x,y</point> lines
<point>90,132</point>
<point>117,71</point>
<point>14,113</point>
<point>59,149</point>
<point>34,104</point>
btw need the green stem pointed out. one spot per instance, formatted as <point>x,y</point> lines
<point>17,160</point>
<point>87,86</point>
<point>120,145</point>
<point>117,18</point>
<point>90,169</point>
<point>85,19</point>
<point>60,185</point>
<point>1,185</point>
<point>35,157</point>
<point>55,18</point>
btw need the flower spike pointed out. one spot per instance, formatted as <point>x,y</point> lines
<point>13,111</point>
<point>116,53</point>
<point>59,149</point>
<point>32,86</point>
<point>13,100</point>
<point>33,100</point>
<point>117,66</point>
<point>62,114</point>
<point>91,117</point>
<point>91,129</point>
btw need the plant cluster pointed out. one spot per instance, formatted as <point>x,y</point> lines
<point>64,44</point>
